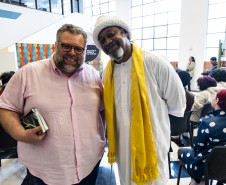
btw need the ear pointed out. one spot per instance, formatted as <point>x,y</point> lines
<point>217,100</point>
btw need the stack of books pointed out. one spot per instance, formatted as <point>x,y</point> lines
<point>34,119</point>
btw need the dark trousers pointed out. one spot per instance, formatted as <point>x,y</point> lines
<point>189,85</point>
<point>89,180</point>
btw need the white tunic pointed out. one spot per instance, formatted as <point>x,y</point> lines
<point>166,96</point>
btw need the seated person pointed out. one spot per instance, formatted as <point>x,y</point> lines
<point>208,87</point>
<point>220,76</point>
<point>213,61</point>
<point>185,79</point>
<point>5,77</point>
<point>211,133</point>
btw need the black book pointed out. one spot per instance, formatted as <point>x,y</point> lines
<point>34,119</point>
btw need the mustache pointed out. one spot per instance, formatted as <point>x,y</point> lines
<point>109,46</point>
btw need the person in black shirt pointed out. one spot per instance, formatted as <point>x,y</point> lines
<point>213,61</point>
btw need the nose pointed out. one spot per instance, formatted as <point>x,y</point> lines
<point>107,42</point>
<point>72,52</point>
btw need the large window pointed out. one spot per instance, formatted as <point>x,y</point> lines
<point>95,8</point>
<point>54,6</point>
<point>156,26</point>
<point>216,27</point>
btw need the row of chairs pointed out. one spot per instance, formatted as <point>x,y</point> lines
<point>215,165</point>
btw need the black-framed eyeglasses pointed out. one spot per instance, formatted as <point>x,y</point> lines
<point>67,48</point>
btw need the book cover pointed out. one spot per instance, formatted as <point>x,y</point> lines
<point>34,119</point>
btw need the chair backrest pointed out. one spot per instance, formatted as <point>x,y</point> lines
<point>6,141</point>
<point>215,165</point>
<point>179,125</point>
<point>206,109</point>
<point>8,146</point>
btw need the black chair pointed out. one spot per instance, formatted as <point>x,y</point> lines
<point>178,126</point>
<point>215,166</point>
<point>8,146</point>
<point>205,110</point>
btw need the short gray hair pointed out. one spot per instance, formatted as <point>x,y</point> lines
<point>71,29</point>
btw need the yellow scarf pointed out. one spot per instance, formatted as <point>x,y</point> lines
<point>144,160</point>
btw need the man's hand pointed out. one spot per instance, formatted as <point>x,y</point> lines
<point>31,136</point>
<point>10,121</point>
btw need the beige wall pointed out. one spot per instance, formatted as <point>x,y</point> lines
<point>7,62</point>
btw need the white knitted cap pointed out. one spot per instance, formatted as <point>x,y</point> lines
<point>105,21</point>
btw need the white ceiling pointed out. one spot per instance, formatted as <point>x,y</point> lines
<point>29,22</point>
<point>35,26</point>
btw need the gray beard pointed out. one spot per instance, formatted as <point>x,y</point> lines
<point>65,67</point>
<point>69,68</point>
<point>118,55</point>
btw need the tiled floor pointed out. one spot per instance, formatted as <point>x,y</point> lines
<point>13,173</point>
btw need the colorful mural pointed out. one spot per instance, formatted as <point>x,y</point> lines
<point>27,53</point>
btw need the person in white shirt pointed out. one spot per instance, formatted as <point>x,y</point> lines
<point>140,90</point>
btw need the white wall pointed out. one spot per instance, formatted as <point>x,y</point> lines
<point>48,34</point>
<point>193,28</point>
<point>8,62</point>
<point>121,9</point>
<point>29,22</point>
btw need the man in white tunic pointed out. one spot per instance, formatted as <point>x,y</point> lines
<point>165,95</point>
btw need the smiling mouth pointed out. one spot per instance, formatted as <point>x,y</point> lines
<point>70,60</point>
<point>112,48</point>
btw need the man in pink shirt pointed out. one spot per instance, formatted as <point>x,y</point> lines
<point>68,94</point>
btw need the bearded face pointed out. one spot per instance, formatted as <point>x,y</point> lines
<point>69,54</point>
<point>117,55</point>
<point>115,43</point>
<point>68,63</point>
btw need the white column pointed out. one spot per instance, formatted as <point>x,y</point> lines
<point>193,28</point>
<point>123,10</point>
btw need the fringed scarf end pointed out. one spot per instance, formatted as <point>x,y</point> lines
<point>145,176</point>
<point>111,157</point>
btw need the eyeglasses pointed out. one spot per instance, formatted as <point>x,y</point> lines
<point>67,48</point>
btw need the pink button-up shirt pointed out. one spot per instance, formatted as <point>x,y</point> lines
<point>71,108</point>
